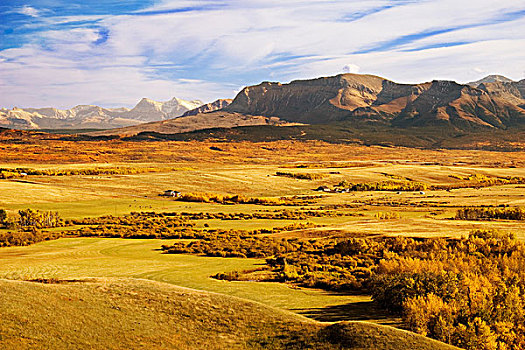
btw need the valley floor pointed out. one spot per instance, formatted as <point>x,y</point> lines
<point>135,278</point>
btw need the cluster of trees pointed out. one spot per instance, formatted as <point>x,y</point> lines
<point>327,165</point>
<point>23,238</point>
<point>389,185</point>
<point>8,173</point>
<point>484,213</point>
<point>3,218</point>
<point>26,227</point>
<point>469,292</point>
<point>481,180</point>
<point>239,199</point>
<point>311,263</point>
<point>302,176</point>
<point>231,246</point>
<point>30,219</point>
<point>137,225</point>
<point>390,215</point>
<point>491,180</point>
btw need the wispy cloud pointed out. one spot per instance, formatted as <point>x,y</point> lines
<point>411,38</point>
<point>165,11</point>
<point>28,11</point>
<point>207,49</point>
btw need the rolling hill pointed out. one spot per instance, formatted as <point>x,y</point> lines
<point>139,314</point>
<point>216,119</point>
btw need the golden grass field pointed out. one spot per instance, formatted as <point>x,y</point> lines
<point>239,168</point>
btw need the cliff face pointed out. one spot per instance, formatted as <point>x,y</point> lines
<point>372,98</point>
<point>513,92</point>
<point>311,101</point>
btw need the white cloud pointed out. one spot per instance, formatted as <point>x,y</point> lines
<point>209,51</point>
<point>27,81</point>
<point>351,68</point>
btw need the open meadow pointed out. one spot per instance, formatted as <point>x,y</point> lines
<point>277,222</point>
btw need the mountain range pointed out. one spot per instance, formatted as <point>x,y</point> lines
<point>89,116</point>
<point>374,99</point>
<point>494,102</point>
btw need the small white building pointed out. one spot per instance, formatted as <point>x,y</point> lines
<point>172,193</point>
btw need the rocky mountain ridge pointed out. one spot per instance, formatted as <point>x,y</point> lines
<point>369,98</point>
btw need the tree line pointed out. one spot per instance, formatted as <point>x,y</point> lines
<point>483,213</point>
<point>302,176</point>
<point>8,173</point>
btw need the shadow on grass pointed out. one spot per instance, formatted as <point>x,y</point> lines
<point>357,311</point>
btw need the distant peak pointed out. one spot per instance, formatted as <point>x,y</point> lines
<point>145,99</point>
<point>497,77</point>
<point>493,78</point>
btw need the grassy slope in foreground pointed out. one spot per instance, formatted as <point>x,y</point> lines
<point>133,314</point>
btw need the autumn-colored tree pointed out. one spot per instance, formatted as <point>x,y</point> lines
<point>3,218</point>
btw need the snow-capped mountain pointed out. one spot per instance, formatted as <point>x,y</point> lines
<point>89,116</point>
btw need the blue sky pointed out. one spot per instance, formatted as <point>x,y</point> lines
<point>67,52</point>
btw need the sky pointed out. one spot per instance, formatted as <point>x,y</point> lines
<point>111,53</point>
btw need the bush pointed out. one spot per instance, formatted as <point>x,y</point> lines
<point>388,185</point>
<point>302,176</point>
<point>471,213</point>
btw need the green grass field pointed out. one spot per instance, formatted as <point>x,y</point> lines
<point>84,196</point>
<point>100,257</point>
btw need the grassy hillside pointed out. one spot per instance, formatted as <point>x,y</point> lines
<point>140,314</point>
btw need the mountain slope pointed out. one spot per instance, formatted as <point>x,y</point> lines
<point>209,107</point>
<point>141,314</point>
<point>512,92</point>
<point>88,116</point>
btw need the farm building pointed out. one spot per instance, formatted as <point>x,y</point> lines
<point>171,193</point>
